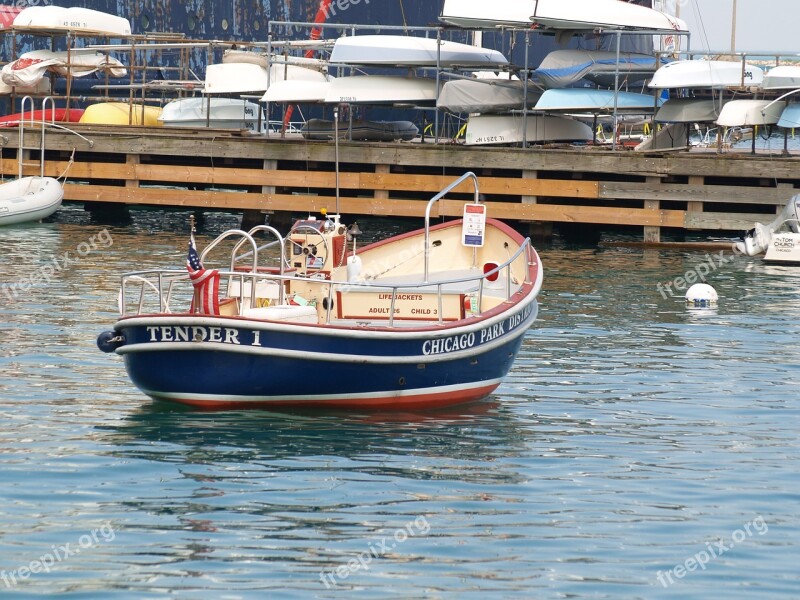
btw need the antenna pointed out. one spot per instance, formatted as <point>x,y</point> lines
<point>336,152</point>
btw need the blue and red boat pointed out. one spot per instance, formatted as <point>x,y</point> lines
<point>426,319</point>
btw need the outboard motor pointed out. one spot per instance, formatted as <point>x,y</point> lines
<point>757,240</point>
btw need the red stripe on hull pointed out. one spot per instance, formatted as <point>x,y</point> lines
<point>421,401</point>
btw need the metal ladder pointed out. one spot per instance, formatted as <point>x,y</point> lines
<point>21,148</point>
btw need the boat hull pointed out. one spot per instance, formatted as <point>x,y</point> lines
<point>29,199</point>
<point>508,129</point>
<point>557,14</point>
<point>274,364</point>
<point>706,73</point>
<point>409,50</point>
<point>783,249</point>
<point>225,113</point>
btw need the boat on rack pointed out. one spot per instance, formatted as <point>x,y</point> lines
<point>778,241</point>
<point>58,19</point>
<point>688,110</point>
<point>790,117</point>
<point>558,14</point>
<point>747,113</point>
<point>424,319</point>
<point>486,95</point>
<point>594,101</point>
<point>29,69</point>
<point>360,130</point>
<point>55,115</point>
<point>563,68</point>
<point>121,113</point>
<point>393,50</point>
<point>296,90</point>
<point>247,77</point>
<point>783,77</point>
<point>484,130</point>
<point>381,89</point>
<point>706,74</point>
<point>219,113</point>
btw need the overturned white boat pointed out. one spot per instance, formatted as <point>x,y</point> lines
<point>247,77</point>
<point>748,113</point>
<point>784,77</point>
<point>484,130</point>
<point>73,19</point>
<point>381,89</point>
<point>412,51</point>
<point>779,240</point>
<point>29,199</point>
<point>706,74</point>
<point>558,14</point>
<point>688,110</point>
<point>219,113</point>
<point>296,91</point>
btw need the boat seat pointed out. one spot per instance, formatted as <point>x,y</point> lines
<point>286,313</point>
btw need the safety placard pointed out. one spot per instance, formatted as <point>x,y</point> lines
<point>409,306</point>
<point>473,228</point>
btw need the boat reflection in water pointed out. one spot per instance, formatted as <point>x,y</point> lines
<point>483,430</point>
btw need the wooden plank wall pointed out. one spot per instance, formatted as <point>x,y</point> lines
<point>214,169</point>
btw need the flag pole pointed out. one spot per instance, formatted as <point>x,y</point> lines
<point>195,291</point>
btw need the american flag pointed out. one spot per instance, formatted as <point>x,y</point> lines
<point>205,282</point>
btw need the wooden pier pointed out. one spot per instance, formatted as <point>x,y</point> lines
<point>216,169</point>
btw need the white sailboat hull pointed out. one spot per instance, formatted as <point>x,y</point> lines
<point>557,14</point>
<point>84,20</point>
<point>381,89</point>
<point>785,77</point>
<point>248,77</point>
<point>741,113</point>
<point>508,129</point>
<point>295,90</point>
<point>706,74</point>
<point>415,51</point>
<point>687,110</point>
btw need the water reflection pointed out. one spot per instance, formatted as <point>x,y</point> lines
<point>479,431</point>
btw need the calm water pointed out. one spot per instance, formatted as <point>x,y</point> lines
<point>637,450</point>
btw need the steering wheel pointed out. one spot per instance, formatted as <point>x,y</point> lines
<point>319,251</point>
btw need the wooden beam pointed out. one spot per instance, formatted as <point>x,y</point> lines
<point>369,182</point>
<point>680,192</point>
<point>369,206</point>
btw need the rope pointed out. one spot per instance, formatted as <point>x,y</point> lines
<point>403,13</point>
<point>67,168</point>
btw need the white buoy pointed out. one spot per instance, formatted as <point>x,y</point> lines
<point>701,294</point>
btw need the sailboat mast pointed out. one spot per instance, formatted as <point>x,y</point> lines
<point>733,28</point>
